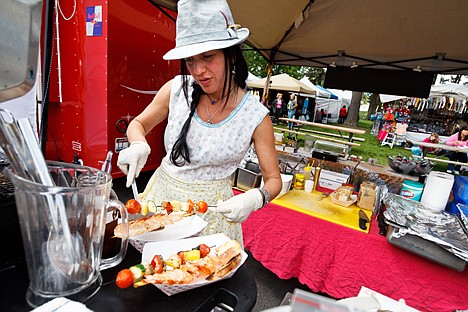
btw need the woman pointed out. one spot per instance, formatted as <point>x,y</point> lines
<point>278,106</point>
<point>292,105</point>
<point>459,139</point>
<point>434,139</point>
<point>212,122</point>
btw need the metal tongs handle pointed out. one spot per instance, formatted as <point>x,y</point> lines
<point>135,190</point>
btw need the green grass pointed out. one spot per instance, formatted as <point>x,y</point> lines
<point>371,147</point>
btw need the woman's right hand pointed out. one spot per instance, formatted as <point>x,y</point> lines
<point>132,159</point>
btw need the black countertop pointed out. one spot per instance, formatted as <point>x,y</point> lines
<point>240,291</point>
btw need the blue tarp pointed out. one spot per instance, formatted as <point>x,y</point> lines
<point>333,96</point>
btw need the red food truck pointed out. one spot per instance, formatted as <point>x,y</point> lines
<point>105,66</point>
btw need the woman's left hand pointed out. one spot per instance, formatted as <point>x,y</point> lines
<point>239,207</point>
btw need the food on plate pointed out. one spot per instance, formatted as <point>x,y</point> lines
<point>167,206</point>
<point>228,250</point>
<point>124,278</point>
<point>133,206</point>
<point>148,224</point>
<point>343,196</point>
<point>191,206</point>
<point>144,208</point>
<point>160,217</point>
<point>185,266</point>
<point>204,250</point>
<point>225,269</point>
<point>176,276</point>
<point>202,207</point>
<point>138,272</point>
<point>175,206</point>
<point>157,264</point>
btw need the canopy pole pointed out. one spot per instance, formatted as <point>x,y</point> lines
<point>266,93</point>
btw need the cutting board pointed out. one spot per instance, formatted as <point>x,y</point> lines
<point>324,209</point>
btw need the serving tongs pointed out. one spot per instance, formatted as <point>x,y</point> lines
<point>20,145</point>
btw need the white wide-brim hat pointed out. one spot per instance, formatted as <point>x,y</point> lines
<point>204,25</point>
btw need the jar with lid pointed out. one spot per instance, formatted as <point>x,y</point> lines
<point>299,181</point>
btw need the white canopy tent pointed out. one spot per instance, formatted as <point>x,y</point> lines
<point>282,82</point>
<point>457,91</point>
<point>452,90</point>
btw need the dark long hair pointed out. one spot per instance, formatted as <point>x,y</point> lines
<point>236,70</point>
<point>460,134</point>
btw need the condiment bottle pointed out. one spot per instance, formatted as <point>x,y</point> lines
<point>299,181</point>
<point>316,176</point>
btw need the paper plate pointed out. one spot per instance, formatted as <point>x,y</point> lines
<point>188,226</point>
<point>168,248</point>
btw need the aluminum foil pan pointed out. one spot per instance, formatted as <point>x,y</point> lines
<point>447,230</point>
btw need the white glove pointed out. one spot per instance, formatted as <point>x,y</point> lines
<point>132,159</point>
<point>239,207</point>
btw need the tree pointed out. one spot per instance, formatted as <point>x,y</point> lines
<point>374,104</point>
<point>257,66</point>
<point>353,110</point>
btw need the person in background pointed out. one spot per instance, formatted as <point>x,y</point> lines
<point>292,105</point>
<point>277,106</point>
<point>434,139</point>
<point>323,114</point>
<point>305,109</point>
<point>342,115</point>
<point>211,123</point>
<point>459,139</point>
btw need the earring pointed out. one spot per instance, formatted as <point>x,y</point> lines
<point>234,70</point>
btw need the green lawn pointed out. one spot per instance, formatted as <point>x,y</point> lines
<point>371,147</point>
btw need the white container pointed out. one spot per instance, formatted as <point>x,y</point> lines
<point>437,190</point>
<point>309,186</point>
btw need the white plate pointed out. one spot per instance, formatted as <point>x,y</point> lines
<point>168,248</point>
<point>186,227</point>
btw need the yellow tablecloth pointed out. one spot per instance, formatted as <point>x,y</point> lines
<point>325,209</point>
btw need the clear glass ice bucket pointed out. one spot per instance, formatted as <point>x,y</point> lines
<point>63,230</point>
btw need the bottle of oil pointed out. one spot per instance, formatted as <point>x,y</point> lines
<point>316,176</point>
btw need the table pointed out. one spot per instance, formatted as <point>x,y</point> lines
<point>147,298</point>
<point>427,145</point>
<point>351,131</point>
<point>333,259</point>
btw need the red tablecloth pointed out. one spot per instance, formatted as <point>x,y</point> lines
<point>333,259</point>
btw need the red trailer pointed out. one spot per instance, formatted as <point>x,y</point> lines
<point>106,66</point>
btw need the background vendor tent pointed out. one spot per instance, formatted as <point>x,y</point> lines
<point>282,82</point>
<point>451,90</point>
<point>456,91</point>
<point>327,100</point>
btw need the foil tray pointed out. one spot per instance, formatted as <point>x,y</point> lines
<point>425,249</point>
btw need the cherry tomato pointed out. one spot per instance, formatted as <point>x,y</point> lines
<point>124,279</point>
<point>157,264</point>
<point>191,206</point>
<point>204,250</point>
<point>202,206</point>
<point>133,206</point>
<point>181,256</point>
